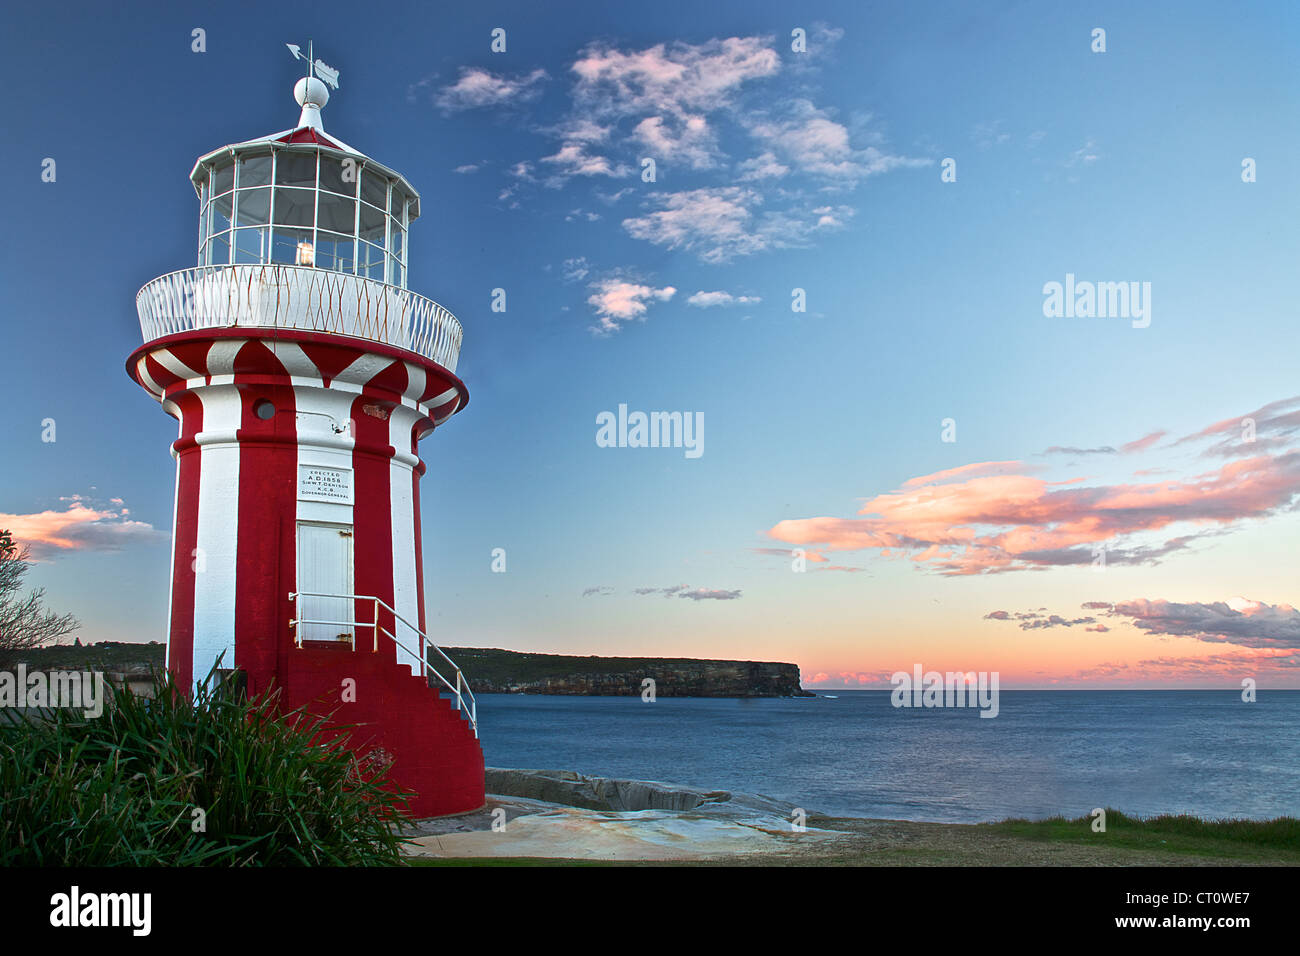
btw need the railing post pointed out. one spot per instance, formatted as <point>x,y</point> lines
<point>460,701</point>
<point>374,627</point>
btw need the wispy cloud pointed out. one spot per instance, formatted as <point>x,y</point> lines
<point>706,300</point>
<point>718,224</point>
<point>477,88</point>
<point>694,594</point>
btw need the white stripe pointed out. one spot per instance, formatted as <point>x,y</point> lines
<point>221,357</point>
<point>217,539</point>
<point>143,371</point>
<point>363,369</point>
<point>171,363</point>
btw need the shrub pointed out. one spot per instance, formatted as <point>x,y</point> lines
<point>126,788</point>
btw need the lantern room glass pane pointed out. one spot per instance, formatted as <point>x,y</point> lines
<point>374,189</point>
<point>292,246</point>
<point>223,178</point>
<point>371,224</point>
<point>254,171</point>
<point>332,173</point>
<point>294,207</point>
<point>397,239</point>
<point>217,251</point>
<point>337,213</point>
<point>334,251</point>
<point>395,271</point>
<point>253,206</point>
<point>295,169</point>
<point>370,261</point>
<point>221,212</point>
<point>252,245</point>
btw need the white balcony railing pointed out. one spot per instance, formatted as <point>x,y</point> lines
<point>298,297</point>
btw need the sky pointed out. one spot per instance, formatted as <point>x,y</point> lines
<point>841,263</point>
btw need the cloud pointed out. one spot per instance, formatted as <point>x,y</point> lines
<point>1072,450</point>
<point>1033,620</point>
<point>1129,448</point>
<point>600,591</point>
<point>1054,620</point>
<point>705,300</point>
<point>478,88</point>
<point>1143,443</point>
<point>695,594</point>
<point>80,526</point>
<point>763,166</point>
<point>979,519</point>
<point>467,168</point>
<point>668,89</point>
<point>572,159</point>
<point>706,594</point>
<point>989,133</point>
<point>677,80</point>
<point>720,223</point>
<point>1085,155</point>
<point>618,300</point>
<point>809,140</point>
<point>1271,427</point>
<point>1239,621</point>
<point>576,269</point>
<point>689,140</point>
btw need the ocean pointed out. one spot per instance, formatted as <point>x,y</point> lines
<point>1046,753</point>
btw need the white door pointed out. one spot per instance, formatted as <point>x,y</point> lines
<point>325,567</point>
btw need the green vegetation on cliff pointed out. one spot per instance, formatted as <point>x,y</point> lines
<point>490,670</point>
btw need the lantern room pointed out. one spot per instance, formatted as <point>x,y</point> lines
<point>302,198</point>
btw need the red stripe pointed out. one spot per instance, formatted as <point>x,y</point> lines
<point>372,513</point>
<point>268,501</point>
<point>189,458</point>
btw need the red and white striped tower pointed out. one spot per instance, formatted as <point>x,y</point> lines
<point>303,374</point>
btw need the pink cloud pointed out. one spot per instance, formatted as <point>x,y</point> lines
<point>1142,444</point>
<point>992,521</point>
<point>79,527</point>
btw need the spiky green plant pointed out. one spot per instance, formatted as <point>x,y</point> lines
<point>212,780</point>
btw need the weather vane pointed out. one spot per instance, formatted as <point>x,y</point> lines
<point>328,74</point>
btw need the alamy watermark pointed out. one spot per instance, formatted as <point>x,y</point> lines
<point>953,689</point>
<point>652,430</point>
<point>78,690</point>
<point>1098,300</point>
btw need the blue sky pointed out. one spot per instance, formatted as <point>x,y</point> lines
<point>775,171</point>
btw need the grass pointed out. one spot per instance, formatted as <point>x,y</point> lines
<point>1057,842</point>
<point>1275,840</point>
<point>212,780</point>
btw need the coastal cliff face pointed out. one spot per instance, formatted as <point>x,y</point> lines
<point>491,671</point>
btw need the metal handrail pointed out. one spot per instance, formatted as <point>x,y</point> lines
<point>461,688</point>
<point>278,295</point>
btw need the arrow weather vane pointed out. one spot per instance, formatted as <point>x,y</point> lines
<point>328,74</point>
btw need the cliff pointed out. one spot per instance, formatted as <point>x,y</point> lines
<point>492,671</point>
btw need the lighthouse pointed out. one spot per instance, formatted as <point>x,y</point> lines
<point>303,373</point>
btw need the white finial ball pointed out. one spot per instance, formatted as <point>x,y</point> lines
<point>310,90</point>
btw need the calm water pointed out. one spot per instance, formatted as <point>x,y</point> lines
<point>1047,752</point>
